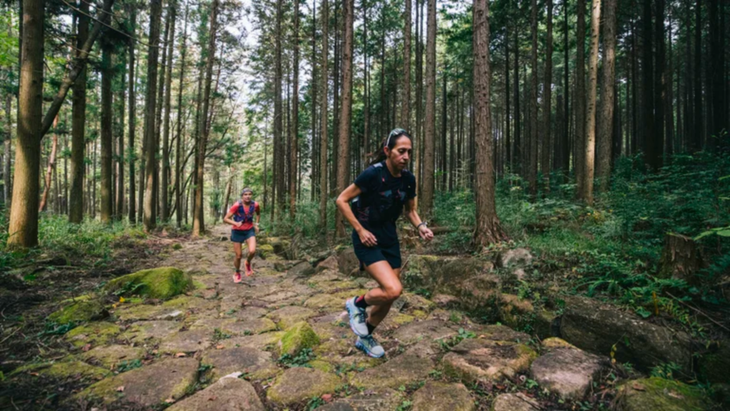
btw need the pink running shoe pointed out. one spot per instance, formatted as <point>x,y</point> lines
<point>249,270</point>
<point>237,277</point>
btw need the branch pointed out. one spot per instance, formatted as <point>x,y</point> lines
<point>77,65</point>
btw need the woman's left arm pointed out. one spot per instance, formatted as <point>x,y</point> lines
<point>412,215</point>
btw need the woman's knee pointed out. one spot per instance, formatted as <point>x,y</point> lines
<point>251,253</point>
<point>393,291</point>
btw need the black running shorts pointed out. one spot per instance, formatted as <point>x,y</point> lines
<point>369,255</point>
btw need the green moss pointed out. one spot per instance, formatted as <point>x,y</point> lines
<point>660,394</point>
<point>64,369</point>
<point>265,250</point>
<point>197,285</point>
<point>97,333</point>
<point>402,319</point>
<point>322,366</point>
<point>163,283</point>
<point>177,246</point>
<point>78,312</point>
<point>298,337</point>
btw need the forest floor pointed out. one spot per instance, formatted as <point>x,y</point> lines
<point>280,340</point>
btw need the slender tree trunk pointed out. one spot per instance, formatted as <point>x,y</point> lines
<point>533,151</point>
<point>150,217</point>
<point>605,110</point>
<point>164,211</point>
<point>648,86</point>
<point>507,93</point>
<point>51,167</point>
<point>580,100</point>
<point>406,105</point>
<point>132,119</point>
<point>418,149</point>
<point>323,193</point>
<point>719,114</point>
<point>659,87</point>
<point>314,176</point>
<point>178,143</point>
<point>294,149</point>
<point>444,125</point>
<point>106,135</point>
<point>427,190</point>
<point>547,147</point>
<point>278,118</point>
<point>78,143</point>
<point>366,86</point>
<point>344,137</point>
<point>7,155</point>
<point>336,73</point>
<point>696,141</point>
<point>119,213</point>
<point>199,220</point>
<point>590,143</point>
<point>519,144</point>
<point>565,135</point>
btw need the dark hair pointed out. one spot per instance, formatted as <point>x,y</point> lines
<point>389,142</point>
<point>246,190</point>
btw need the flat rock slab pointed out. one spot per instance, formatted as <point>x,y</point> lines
<point>112,355</point>
<point>475,359</point>
<point>411,366</point>
<point>515,402</point>
<point>187,341</point>
<point>244,360</point>
<point>438,396</point>
<point>289,315</point>
<point>568,372</point>
<point>260,341</point>
<point>430,330</point>
<point>228,394</point>
<point>149,385</point>
<point>502,333</point>
<point>233,326</point>
<point>300,384</point>
<point>144,330</point>
<point>368,400</point>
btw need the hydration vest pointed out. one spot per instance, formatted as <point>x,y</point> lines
<point>242,216</point>
<point>382,205</point>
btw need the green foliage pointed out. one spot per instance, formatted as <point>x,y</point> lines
<point>447,343</point>
<point>127,365</point>
<point>314,403</point>
<point>666,370</point>
<point>300,360</point>
<point>220,335</point>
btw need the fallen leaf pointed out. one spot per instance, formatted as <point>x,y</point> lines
<point>220,347</point>
<point>121,299</point>
<point>213,398</point>
<point>86,347</point>
<point>675,394</point>
<point>180,354</point>
<point>327,397</point>
<point>35,374</point>
<point>120,389</point>
<point>169,401</point>
<point>638,387</point>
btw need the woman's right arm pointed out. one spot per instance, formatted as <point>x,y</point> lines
<point>227,219</point>
<point>343,204</point>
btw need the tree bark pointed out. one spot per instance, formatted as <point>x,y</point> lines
<point>164,187</point>
<point>696,141</point>
<point>580,100</point>
<point>488,229</point>
<point>294,148</point>
<point>547,147</point>
<point>278,165</point>
<point>150,217</point>
<point>106,135</point>
<point>119,208</point>
<point>23,226</point>
<point>178,143</point>
<point>406,105</point>
<point>345,111</point>
<point>533,142</point>
<point>323,193</point>
<point>49,169</point>
<point>199,220</point>
<point>605,111</point>
<point>590,142</point>
<point>78,143</point>
<point>427,190</point>
<point>7,155</point>
<point>132,120</point>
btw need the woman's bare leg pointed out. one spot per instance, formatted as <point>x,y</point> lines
<point>383,297</point>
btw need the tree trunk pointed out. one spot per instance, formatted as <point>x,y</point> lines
<point>564,156</point>
<point>294,148</point>
<point>323,114</point>
<point>507,93</point>
<point>132,120</point>
<point>150,217</point>
<point>406,107</point>
<point>696,141</point>
<point>366,86</point>
<point>427,190</point>
<point>418,149</point>
<point>519,144</point>
<point>605,111</point>
<point>547,147</point>
<point>659,88</point>
<point>444,120</point>
<point>119,213</point>
<point>314,176</point>
<point>106,135</point>
<point>590,142</point>
<point>7,155</point>
<point>50,168</point>
<point>278,118</point>
<point>580,100</point>
<point>164,187</point>
<point>199,220</point>
<point>533,150</point>
<point>78,143</point>
<point>178,143</point>
<point>717,52</point>
<point>344,132</point>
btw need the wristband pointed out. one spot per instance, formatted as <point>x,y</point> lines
<point>422,223</point>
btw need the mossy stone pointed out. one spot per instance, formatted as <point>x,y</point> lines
<point>96,333</point>
<point>659,394</point>
<point>163,283</point>
<point>78,312</point>
<point>64,369</point>
<point>300,336</point>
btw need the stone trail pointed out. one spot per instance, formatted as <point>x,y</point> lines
<point>279,340</point>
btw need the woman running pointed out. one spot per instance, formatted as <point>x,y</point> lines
<point>244,230</point>
<point>378,196</point>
